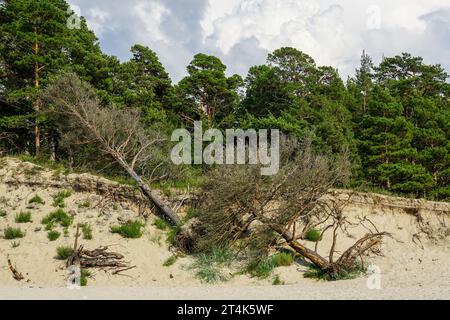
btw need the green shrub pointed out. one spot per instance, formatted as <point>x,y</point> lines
<point>87,231</point>
<point>131,229</point>
<point>58,216</point>
<point>13,233</point>
<point>170,261</point>
<point>23,217</point>
<point>313,235</point>
<point>2,213</point>
<point>63,253</point>
<point>53,235</point>
<point>36,199</point>
<point>58,199</point>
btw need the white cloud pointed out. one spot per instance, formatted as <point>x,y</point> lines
<point>242,32</point>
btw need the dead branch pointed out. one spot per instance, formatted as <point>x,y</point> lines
<point>15,273</point>
<point>117,133</point>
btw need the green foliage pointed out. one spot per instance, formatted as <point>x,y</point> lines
<point>170,261</point>
<point>53,235</point>
<point>23,217</point>
<point>63,253</point>
<point>58,199</point>
<point>36,199</point>
<point>87,231</point>
<point>11,233</point>
<point>58,216</point>
<point>3,213</point>
<point>131,229</point>
<point>313,235</point>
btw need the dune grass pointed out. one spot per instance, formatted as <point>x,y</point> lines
<point>23,217</point>
<point>11,233</point>
<point>131,229</point>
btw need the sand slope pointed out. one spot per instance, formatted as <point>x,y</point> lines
<point>415,264</point>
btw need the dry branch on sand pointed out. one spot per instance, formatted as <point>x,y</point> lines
<point>98,258</point>
<point>15,273</point>
<point>117,133</point>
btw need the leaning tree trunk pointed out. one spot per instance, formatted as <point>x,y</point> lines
<point>147,191</point>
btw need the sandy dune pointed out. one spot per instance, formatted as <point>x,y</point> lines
<point>414,266</point>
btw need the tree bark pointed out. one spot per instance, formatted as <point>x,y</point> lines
<point>37,101</point>
<point>147,191</point>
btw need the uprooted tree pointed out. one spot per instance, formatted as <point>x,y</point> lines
<point>117,133</point>
<point>254,213</point>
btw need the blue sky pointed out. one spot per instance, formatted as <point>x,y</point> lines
<point>243,32</point>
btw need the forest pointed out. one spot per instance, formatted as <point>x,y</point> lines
<point>393,119</point>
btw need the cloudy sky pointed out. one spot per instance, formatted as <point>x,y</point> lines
<point>243,32</point>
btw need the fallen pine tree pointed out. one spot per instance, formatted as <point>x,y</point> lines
<point>254,213</point>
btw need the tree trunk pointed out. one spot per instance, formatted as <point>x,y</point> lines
<point>309,254</point>
<point>37,101</point>
<point>147,191</point>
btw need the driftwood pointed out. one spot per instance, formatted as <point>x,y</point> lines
<point>15,273</point>
<point>98,258</point>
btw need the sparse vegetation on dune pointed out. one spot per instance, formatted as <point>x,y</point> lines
<point>131,229</point>
<point>60,197</point>
<point>23,217</point>
<point>11,233</point>
<point>63,253</point>
<point>36,199</point>
<point>53,235</point>
<point>59,216</point>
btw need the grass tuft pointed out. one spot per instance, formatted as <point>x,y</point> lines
<point>209,266</point>
<point>60,197</point>
<point>13,233</point>
<point>87,231</point>
<point>2,213</point>
<point>131,229</point>
<point>36,199</point>
<point>58,216</point>
<point>53,235</point>
<point>277,281</point>
<point>63,253</point>
<point>161,224</point>
<point>85,274</point>
<point>170,261</point>
<point>23,217</point>
<point>264,269</point>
